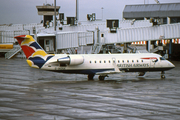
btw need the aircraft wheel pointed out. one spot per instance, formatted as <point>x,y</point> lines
<point>91,76</point>
<point>163,76</point>
<point>101,78</point>
<point>142,73</point>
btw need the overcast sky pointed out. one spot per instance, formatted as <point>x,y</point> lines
<point>24,11</point>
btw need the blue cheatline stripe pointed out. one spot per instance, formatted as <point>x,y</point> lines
<point>84,71</point>
<point>35,45</point>
<point>94,71</point>
<point>39,61</point>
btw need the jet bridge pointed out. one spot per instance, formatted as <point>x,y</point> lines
<point>127,35</point>
<point>149,34</point>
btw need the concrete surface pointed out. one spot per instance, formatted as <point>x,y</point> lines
<point>32,94</point>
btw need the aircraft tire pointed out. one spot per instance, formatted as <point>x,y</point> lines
<point>142,73</point>
<point>163,76</point>
<point>101,78</point>
<point>91,76</point>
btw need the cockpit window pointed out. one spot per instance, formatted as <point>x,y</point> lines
<point>161,58</point>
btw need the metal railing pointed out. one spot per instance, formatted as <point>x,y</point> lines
<point>12,52</point>
<point>96,49</point>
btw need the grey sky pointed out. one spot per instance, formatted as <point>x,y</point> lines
<point>24,11</point>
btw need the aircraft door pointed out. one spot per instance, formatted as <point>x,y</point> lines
<point>153,63</point>
<point>49,45</point>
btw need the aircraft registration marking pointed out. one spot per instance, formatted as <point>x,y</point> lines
<point>60,68</point>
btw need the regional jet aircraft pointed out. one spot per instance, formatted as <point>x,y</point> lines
<point>92,64</point>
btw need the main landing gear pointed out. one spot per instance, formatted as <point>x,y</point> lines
<point>163,75</point>
<point>91,76</point>
<point>101,77</point>
<point>141,74</point>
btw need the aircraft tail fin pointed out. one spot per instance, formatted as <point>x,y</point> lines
<point>35,54</point>
<point>30,46</point>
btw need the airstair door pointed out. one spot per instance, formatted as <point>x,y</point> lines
<point>153,63</point>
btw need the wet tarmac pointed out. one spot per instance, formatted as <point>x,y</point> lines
<point>32,94</point>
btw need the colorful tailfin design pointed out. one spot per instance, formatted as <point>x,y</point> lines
<point>36,56</point>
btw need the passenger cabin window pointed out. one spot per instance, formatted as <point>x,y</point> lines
<point>123,61</point>
<point>99,61</point>
<point>118,61</point>
<point>104,61</point>
<point>94,61</point>
<point>137,60</point>
<point>161,58</point>
<point>132,60</point>
<point>89,61</point>
<point>109,61</point>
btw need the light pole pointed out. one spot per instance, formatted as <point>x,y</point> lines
<point>76,11</point>
<point>102,13</point>
<point>54,15</point>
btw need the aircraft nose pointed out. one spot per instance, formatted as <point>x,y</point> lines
<point>171,65</point>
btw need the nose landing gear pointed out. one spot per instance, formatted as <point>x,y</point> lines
<point>163,75</point>
<point>101,77</point>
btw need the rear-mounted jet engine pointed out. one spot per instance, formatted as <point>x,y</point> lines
<point>71,60</point>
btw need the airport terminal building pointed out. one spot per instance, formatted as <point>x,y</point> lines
<point>166,13</point>
<point>147,23</point>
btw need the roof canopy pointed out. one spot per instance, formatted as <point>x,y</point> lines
<point>151,10</point>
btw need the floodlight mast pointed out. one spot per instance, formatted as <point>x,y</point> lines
<point>102,13</point>
<point>76,11</point>
<point>54,15</point>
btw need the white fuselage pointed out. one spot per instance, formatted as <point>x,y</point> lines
<point>104,63</point>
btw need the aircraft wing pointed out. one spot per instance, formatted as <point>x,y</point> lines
<point>116,71</point>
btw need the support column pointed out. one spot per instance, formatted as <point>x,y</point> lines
<point>147,42</point>
<point>98,35</point>
<point>82,49</point>
<point>168,20</point>
<point>160,43</point>
<point>170,49</point>
<point>145,18</point>
<point>148,46</point>
<point>125,47</point>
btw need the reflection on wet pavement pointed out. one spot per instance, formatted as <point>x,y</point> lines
<point>32,94</point>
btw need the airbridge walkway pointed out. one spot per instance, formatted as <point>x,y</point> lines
<point>151,33</point>
<point>140,31</point>
<point>73,37</point>
<point>123,34</point>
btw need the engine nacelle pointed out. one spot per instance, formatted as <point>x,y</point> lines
<point>71,60</point>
